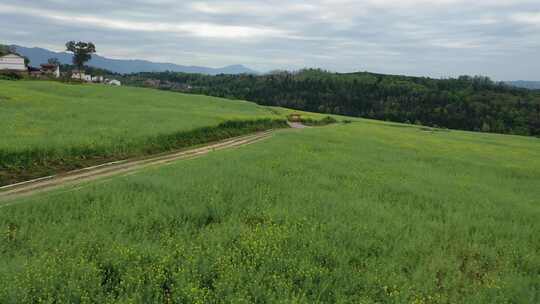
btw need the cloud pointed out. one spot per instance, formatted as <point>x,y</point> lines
<point>527,18</point>
<point>420,37</point>
<point>252,8</point>
<point>199,29</point>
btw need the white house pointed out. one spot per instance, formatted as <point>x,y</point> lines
<point>76,74</point>
<point>12,62</point>
<point>114,82</point>
<point>97,78</point>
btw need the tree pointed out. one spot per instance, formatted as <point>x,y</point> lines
<point>54,61</point>
<point>82,52</point>
<point>6,49</point>
<point>485,127</point>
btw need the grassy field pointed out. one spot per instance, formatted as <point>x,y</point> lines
<point>365,212</point>
<point>49,127</point>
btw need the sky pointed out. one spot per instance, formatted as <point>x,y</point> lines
<point>436,38</point>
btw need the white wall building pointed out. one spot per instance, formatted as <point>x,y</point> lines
<point>81,76</point>
<point>97,78</point>
<point>114,82</point>
<point>77,75</point>
<point>12,62</point>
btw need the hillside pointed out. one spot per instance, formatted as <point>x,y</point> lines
<point>531,85</point>
<point>365,212</point>
<point>40,55</point>
<point>49,127</point>
<point>465,103</point>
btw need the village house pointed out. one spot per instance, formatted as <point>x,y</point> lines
<point>12,62</point>
<point>45,70</point>
<point>76,74</point>
<point>34,72</point>
<point>97,79</point>
<point>50,69</point>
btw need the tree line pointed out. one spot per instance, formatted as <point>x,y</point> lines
<point>465,103</point>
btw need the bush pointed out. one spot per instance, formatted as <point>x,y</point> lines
<point>10,75</point>
<point>321,122</point>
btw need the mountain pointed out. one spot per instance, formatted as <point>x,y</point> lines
<point>38,56</point>
<point>531,85</point>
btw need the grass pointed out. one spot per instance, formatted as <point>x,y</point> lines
<point>364,212</point>
<point>49,127</point>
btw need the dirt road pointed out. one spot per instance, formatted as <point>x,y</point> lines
<point>11,192</point>
<point>296,125</point>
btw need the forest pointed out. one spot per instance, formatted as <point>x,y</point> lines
<point>465,103</point>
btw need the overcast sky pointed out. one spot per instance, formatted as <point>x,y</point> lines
<point>438,38</point>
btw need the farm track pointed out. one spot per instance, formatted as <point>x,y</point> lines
<point>10,192</point>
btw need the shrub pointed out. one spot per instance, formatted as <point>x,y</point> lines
<point>10,75</point>
<point>322,122</point>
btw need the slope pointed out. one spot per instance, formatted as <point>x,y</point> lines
<point>365,212</point>
<point>49,127</point>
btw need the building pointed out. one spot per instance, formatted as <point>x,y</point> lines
<point>98,79</point>
<point>76,74</point>
<point>50,69</point>
<point>34,72</point>
<point>12,62</point>
<point>114,82</point>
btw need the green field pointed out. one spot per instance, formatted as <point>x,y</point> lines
<point>365,212</point>
<point>49,127</point>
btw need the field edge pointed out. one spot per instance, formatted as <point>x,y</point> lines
<point>20,166</point>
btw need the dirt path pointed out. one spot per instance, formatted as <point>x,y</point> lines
<point>10,192</point>
<point>296,125</point>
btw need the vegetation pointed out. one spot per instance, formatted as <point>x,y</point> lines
<point>49,127</point>
<point>531,85</point>
<point>365,212</point>
<point>10,75</point>
<point>6,49</point>
<point>82,52</point>
<point>318,122</point>
<point>466,103</point>
<point>54,61</point>
<point>68,68</point>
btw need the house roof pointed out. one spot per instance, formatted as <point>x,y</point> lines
<point>49,66</point>
<point>11,56</point>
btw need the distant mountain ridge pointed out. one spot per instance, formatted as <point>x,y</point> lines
<point>531,85</point>
<point>38,56</point>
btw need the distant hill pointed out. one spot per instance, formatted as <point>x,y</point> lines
<point>531,85</point>
<point>40,55</point>
<point>464,103</point>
